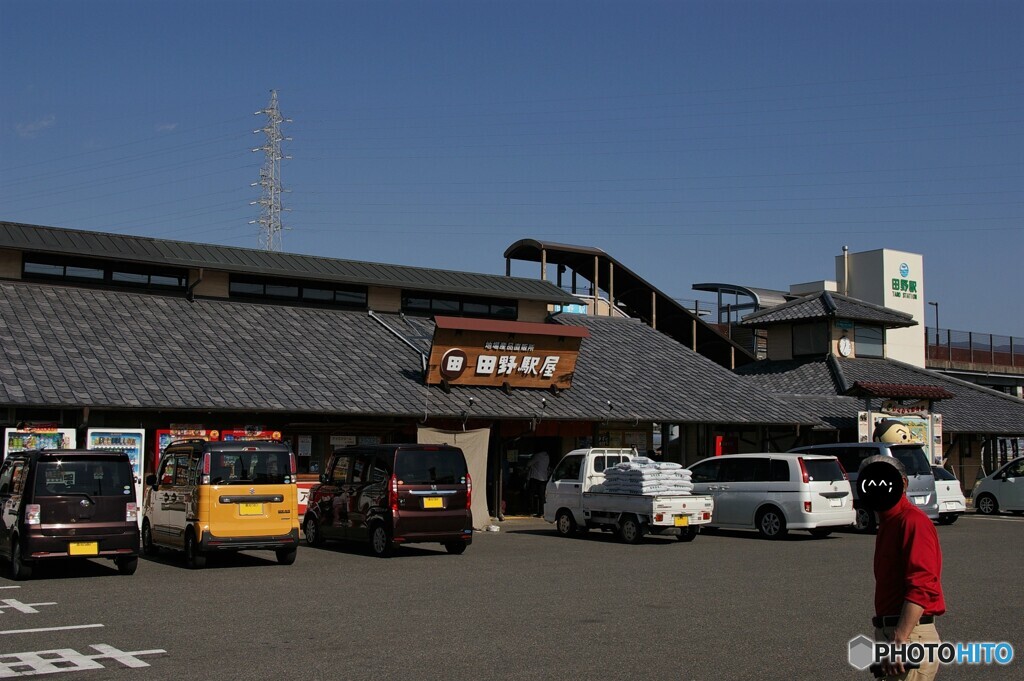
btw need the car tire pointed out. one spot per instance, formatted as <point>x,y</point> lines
<point>948,519</point>
<point>127,566</point>
<point>865,522</point>
<point>820,532</point>
<point>194,558</point>
<point>631,530</point>
<point>456,548</point>
<point>380,542</point>
<point>688,533</point>
<point>148,547</point>
<point>565,523</point>
<point>286,556</point>
<point>20,568</point>
<point>986,504</point>
<point>771,524</point>
<point>311,528</point>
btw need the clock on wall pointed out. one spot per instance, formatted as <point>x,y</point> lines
<point>845,346</point>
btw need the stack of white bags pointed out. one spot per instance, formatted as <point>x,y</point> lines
<point>648,477</point>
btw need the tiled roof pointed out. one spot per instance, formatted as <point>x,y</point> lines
<point>898,391</point>
<point>972,409</point>
<point>64,346</point>
<point>828,305</point>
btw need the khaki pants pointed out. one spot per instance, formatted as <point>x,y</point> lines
<point>922,633</point>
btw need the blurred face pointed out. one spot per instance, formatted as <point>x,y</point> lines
<point>880,486</point>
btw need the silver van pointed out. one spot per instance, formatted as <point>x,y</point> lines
<point>921,483</point>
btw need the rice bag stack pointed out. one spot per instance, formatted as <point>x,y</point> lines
<point>647,477</point>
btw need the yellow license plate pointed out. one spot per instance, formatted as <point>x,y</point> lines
<point>682,521</point>
<point>83,548</point>
<point>250,509</point>
<point>433,502</point>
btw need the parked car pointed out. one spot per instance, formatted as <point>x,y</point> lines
<point>1001,491</point>
<point>775,493</point>
<point>210,497</point>
<point>68,503</point>
<point>389,495</point>
<point>920,487</point>
<point>952,503</point>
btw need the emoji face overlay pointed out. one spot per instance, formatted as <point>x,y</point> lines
<point>879,486</point>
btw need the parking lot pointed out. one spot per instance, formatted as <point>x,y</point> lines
<point>522,603</point>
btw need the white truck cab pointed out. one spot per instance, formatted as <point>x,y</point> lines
<point>575,506</point>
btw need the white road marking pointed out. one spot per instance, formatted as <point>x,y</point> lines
<point>978,516</point>
<point>33,631</point>
<point>68,660</point>
<point>10,587</point>
<point>26,608</point>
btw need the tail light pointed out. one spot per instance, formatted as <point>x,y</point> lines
<point>292,468</point>
<point>469,491</point>
<point>393,494</point>
<point>807,507</point>
<point>32,512</point>
<point>206,468</point>
<point>803,469</point>
<point>131,512</point>
<point>846,476</point>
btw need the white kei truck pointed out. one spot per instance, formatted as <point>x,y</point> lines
<point>575,507</point>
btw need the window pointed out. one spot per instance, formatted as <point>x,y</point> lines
<point>430,467</point>
<point>92,477</point>
<point>706,472</point>
<point>181,469</point>
<point>942,474</point>
<point>121,275</point>
<point>167,471</point>
<point>869,341</point>
<point>780,470</point>
<point>5,478</point>
<point>339,474</point>
<point>810,339</point>
<point>459,306</point>
<point>360,469</point>
<point>823,470</point>
<point>568,468</point>
<point>251,468</point>
<point>913,459</point>
<point>257,288</point>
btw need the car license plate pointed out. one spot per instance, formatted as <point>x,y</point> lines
<point>250,509</point>
<point>919,500</point>
<point>682,521</point>
<point>433,502</point>
<point>950,505</point>
<point>835,503</point>
<point>83,548</point>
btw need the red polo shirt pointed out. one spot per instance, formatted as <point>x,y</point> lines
<point>908,561</point>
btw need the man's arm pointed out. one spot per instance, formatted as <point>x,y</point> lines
<point>910,615</point>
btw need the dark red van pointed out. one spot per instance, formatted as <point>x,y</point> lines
<point>390,495</point>
<point>68,503</point>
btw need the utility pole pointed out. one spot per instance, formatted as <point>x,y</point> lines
<point>270,177</point>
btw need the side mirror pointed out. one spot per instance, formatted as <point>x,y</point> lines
<point>151,481</point>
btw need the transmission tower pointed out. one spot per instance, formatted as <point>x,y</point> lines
<point>270,177</point>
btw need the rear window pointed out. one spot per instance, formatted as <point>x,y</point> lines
<point>92,477</point>
<point>913,459</point>
<point>942,474</point>
<point>823,470</point>
<point>249,468</point>
<point>430,467</point>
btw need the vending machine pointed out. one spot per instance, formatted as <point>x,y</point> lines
<point>169,435</point>
<point>234,434</point>
<point>38,438</point>
<point>131,441</point>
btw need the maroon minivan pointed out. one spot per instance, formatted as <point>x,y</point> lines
<point>68,503</point>
<point>389,495</point>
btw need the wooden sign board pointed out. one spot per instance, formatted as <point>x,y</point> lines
<point>492,353</point>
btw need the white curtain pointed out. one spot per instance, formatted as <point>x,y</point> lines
<point>473,444</point>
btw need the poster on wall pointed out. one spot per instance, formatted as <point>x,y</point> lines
<point>923,429</point>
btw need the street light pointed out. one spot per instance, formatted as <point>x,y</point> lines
<point>936,305</point>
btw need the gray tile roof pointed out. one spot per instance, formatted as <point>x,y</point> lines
<point>65,346</point>
<point>147,250</point>
<point>828,305</point>
<point>973,409</point>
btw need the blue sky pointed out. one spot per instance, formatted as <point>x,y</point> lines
<point>741,142</point>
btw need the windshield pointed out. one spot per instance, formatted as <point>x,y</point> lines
<point>249,468</point>
<point>445,466</point>
<point>92,477</point>
<point>913,459</point>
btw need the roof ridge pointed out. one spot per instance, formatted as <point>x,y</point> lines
<point>953,379</point>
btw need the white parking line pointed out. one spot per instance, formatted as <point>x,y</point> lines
<point>26,608</point>
<point>34,631</point>
<point>992,517</point>
<point>69,660</point>
<point>10,587</point>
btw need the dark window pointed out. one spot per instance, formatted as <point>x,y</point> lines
<point>44,269</point>
<point>869,341</point>
<point>459,306</point>
<point>276,291</point>
<point>122,275</point>
<point>130,277</point>
<point>5,478</point>
<point>850,457</point>
<point>568,468</point>
<point>474,308</point>
<point>317,294</point>
<point>823,470</point>
<point>251,468</point>
<point>244,286</point>
<point>780,470</point>
<point>416,303</point>
<point>810,339</point>
<point>942,474</point>
<point>913,459</point>
<point>93,477</point>
<point>75,272</point>
<point>445,466</point>
<point>361,469</point>
<point>706,472</point>
<point>339,474</point>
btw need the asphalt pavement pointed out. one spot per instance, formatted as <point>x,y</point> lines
<point>522,603</point>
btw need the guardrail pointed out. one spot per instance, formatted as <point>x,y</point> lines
<point>968,347</point>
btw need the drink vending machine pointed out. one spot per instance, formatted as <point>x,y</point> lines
<point>132,442</point>
<point>38,438</point>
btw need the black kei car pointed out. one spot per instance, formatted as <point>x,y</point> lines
<point>68,503</point>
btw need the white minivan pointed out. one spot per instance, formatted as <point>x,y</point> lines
<point>1001,491</point>
<point>775,493</point>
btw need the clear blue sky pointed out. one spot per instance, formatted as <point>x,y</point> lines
<point>743,142</point>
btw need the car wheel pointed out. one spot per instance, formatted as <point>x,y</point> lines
<point>286,556</point>
<point>456,548</point>
<point>20,568</point>
<point>380,542</point>
<point>948,519</point>
<point>148,547</point>
<point>986,504</point>
<point>630,530</point>
<point>865,521</point>
<point>565,523</point>
<point>820,532</point>
<point>688,534</point>
<point>311,528</point>
<point>127,566</point>
<point>771,523</point>
<point>194,558</point>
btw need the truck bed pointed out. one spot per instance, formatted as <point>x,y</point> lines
<point>668,505</point>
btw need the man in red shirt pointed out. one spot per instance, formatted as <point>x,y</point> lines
<point>908,564</point>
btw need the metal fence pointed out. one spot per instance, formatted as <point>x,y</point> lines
<point>946,345</point>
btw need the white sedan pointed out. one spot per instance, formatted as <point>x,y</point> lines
<point>950,498</point>
<point>1001,491</point>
